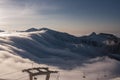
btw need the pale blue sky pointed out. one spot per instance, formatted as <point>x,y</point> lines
<point>73,16</point>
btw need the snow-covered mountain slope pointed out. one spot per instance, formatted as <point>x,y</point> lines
<point>59,47</point>
<point>88,54</point>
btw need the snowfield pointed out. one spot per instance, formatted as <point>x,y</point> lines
<point>92,57</point>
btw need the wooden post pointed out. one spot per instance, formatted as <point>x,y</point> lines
<point>30,76</point>
<point>48,76</point>
<point>39,71</point>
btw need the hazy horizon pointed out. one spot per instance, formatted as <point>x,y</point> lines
<point>64,31</point>
<point>75,17</point>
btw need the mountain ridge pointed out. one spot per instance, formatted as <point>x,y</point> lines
<point>70,51</point>
<point>105,40</point>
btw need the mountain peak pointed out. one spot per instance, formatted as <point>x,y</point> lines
<point>44,29</point>
<point>31,30</point>
<point>93,34</point>
<point>35,29</point>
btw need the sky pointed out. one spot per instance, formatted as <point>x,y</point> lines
<point>72,16</point>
